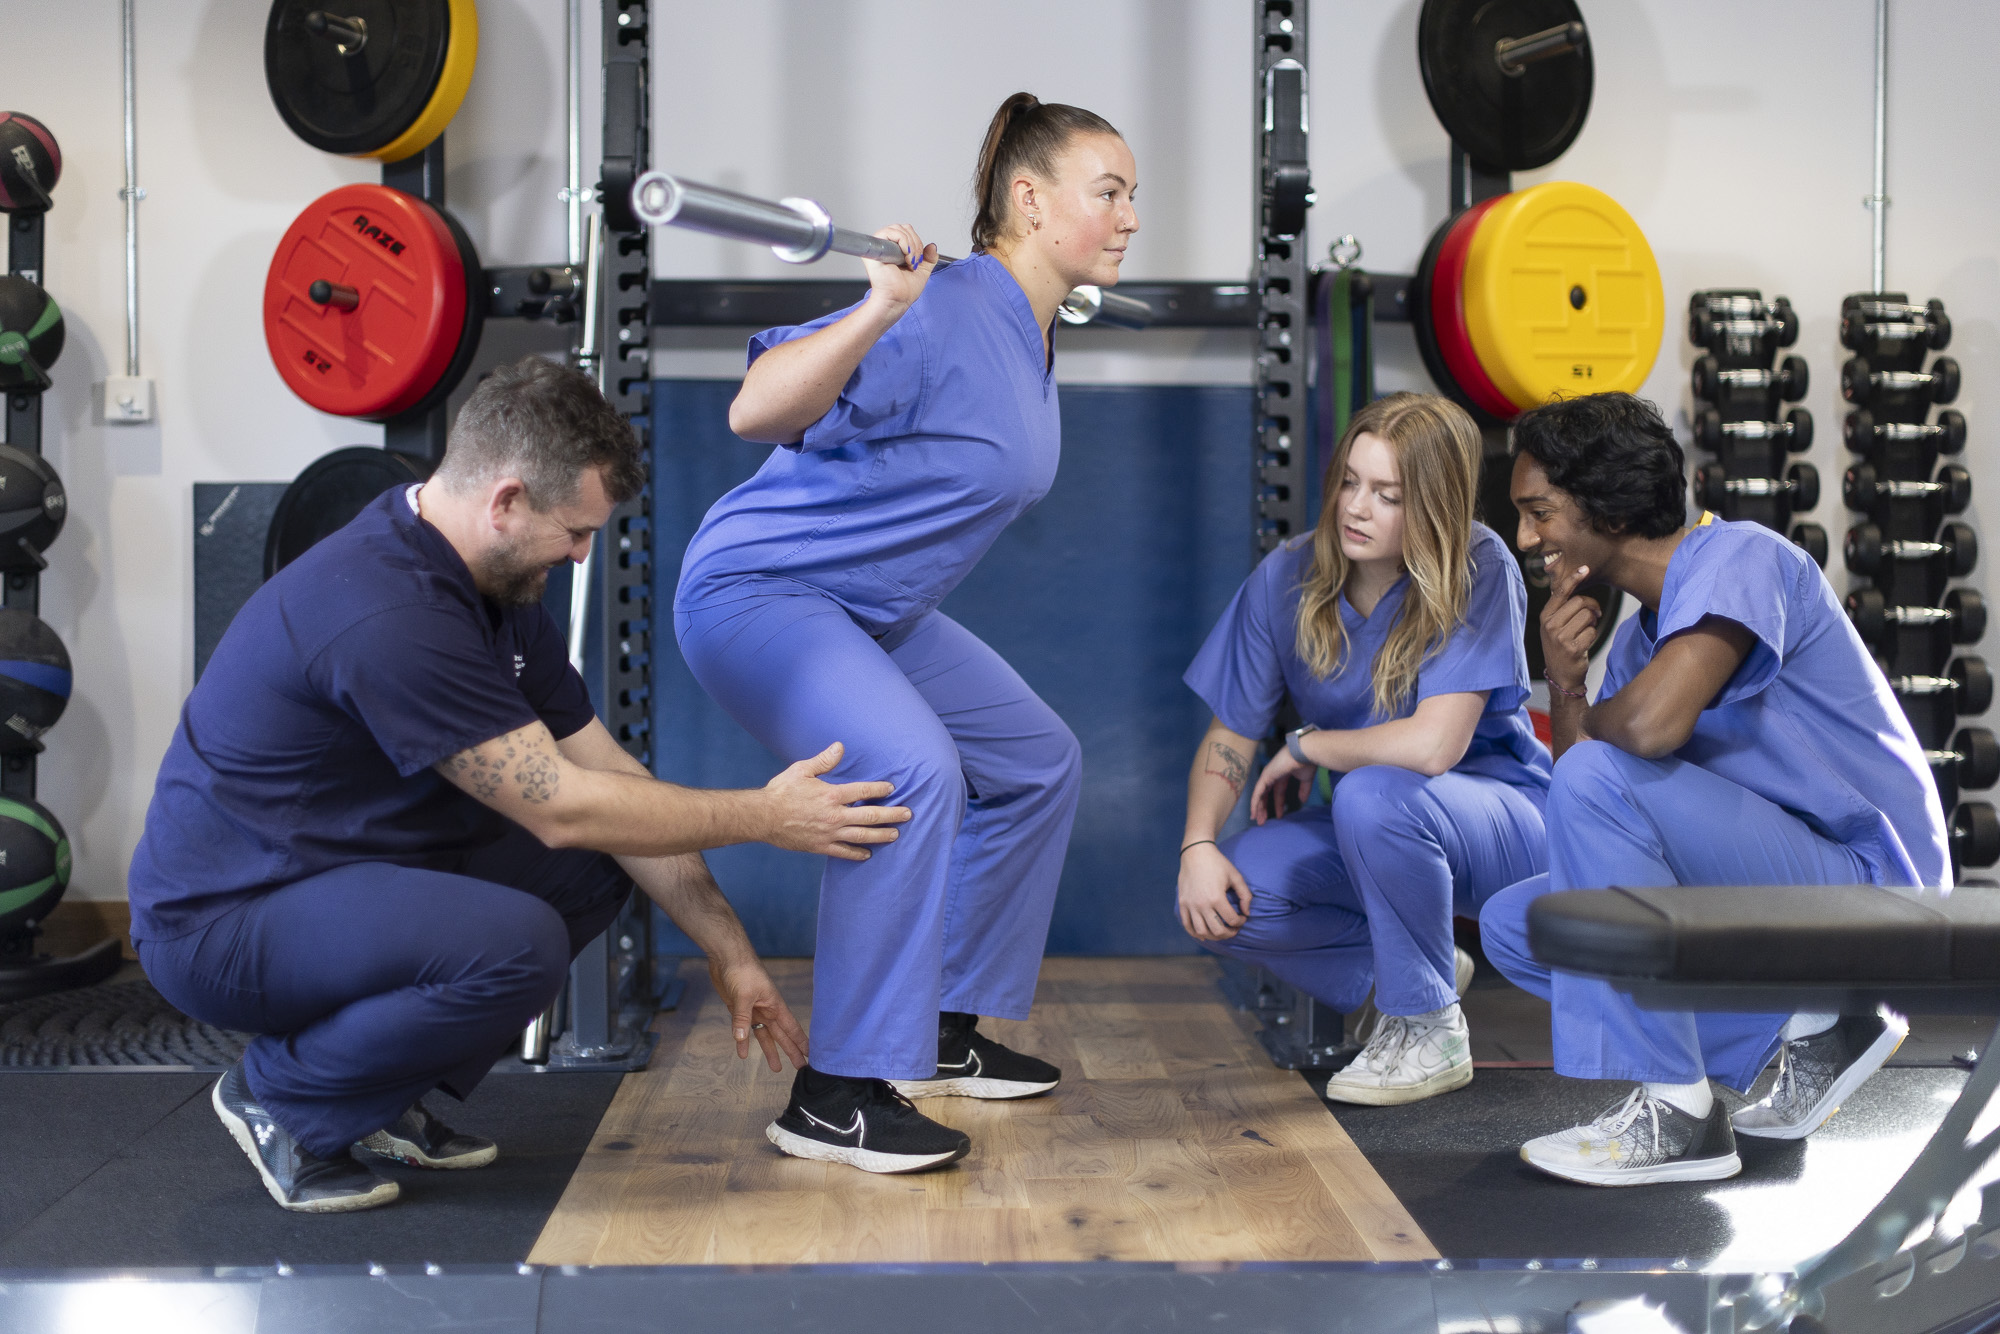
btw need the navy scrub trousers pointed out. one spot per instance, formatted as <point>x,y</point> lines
<point>371,984</point>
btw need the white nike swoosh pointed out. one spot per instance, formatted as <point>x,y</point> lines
<point>856,1128</point>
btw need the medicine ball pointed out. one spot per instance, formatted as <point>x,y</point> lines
<point>32,509</point>
<point>34,862</point>
<point>31,334</point>
<point>30,163</point>
<point>34,679</point>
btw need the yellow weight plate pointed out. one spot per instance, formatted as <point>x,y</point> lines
<point>459,57</point>
<point>1562,295</point>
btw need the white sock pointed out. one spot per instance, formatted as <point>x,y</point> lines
<point>1436,1018</point>
<point>1808,1025</point>
<point>1695,1099</point>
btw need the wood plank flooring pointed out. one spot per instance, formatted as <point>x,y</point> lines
<point>1171,1137</point>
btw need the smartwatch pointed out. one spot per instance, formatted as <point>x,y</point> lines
<point>1292,743</point>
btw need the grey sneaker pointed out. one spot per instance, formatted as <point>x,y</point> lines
<point>296,1179</point>
<point>1637,1142</point>
<point>1817,1074</point>
<point>1362,1026</point>
<point>419,1139</point>
<point>1408,1058</point>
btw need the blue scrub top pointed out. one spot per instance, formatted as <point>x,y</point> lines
<point>309,740</point>
<point>1250,661</point>
<point>1808,721</point>
<point>946,433</point>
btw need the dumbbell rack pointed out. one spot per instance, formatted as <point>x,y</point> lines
<point>1738,385</point>
<point>1908,549</point>
<point>23,971</point>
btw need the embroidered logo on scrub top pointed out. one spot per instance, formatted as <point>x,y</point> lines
<point>519,663</point>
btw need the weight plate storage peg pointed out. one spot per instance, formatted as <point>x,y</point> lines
<point>33,506</point>
<point>30,163</point>
<point>34,862</point>
<point>373,303</point>
<point>31,335</point>
<point>34,680</point>
<point>1509,79</point>
<point>370,78</point>
<point>1562,295</point>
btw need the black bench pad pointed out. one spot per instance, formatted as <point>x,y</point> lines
<point>1827,935</point>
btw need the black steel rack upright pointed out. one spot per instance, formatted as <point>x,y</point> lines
<point>1284,179</point>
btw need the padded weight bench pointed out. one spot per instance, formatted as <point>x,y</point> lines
<point>1824,948</point>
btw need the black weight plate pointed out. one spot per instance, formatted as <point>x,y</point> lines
<point>355,104</point>
<point>327,495</point>
<point>1505,123</point>
<point>478,301</point>
<point>32,509</point>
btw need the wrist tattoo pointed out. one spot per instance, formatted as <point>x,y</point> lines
<point>1229,765</point>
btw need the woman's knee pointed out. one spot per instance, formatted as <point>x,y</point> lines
<point>1377,797</point>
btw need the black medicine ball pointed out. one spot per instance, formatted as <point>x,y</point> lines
<point>31,334</point>
<point>34,679</point>
<point>30,163</point>
<point>34,862</point>
<point>32,509</point>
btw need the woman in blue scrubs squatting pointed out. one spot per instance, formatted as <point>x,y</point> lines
<point>913,428</point>
<point>1396,630</point>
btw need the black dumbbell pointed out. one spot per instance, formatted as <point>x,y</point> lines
<point>1962,618</point>
<point>1750,393</point>
<point>1714,434</point>
<point>1933,704</point>
<point>1811,538</point>
<point>1906,507</point>
<point>1868,552</point>
<point>1973,762</point>
<point>1898,391</point>
<point>1863,433</point>
<point>1738,329</point>
<point>1975,835</point>
<point>1867,322</point>
<point>1715,488</point>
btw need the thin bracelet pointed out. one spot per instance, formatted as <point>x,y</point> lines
<point>1573,694</point>
<point>1197,843</point>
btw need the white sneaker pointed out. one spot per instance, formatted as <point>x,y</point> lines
<point>1817,1074</point>
<point>1408,1058</point>
<point>1637,1142</point>
<point>1363,1025</point>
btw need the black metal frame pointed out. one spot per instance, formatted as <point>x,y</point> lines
<point>1280,274</point>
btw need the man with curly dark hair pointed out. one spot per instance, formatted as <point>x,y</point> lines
<point>1742,735</point>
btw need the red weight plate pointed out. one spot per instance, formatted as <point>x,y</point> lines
<point>1448,316</point>
<point>400,258</point>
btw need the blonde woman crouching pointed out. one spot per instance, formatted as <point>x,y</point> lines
<point>1395,629</point>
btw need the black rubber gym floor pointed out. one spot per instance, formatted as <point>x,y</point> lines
<point>118,1168</point>
<point>1454,1162</point>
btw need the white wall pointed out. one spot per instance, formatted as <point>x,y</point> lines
<point>1737,134</point>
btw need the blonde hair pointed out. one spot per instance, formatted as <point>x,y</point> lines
<point>1437,452</point>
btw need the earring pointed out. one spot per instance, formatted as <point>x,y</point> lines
<point>1035,221</point>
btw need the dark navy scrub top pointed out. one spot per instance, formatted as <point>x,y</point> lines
<point>946,433</point>
<point>1808,721</point>
<point>1250,661</point>
<point>309,740</point>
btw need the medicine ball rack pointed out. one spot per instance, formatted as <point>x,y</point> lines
<point>24,971</point>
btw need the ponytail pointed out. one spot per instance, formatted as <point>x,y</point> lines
<point>1028,134</point>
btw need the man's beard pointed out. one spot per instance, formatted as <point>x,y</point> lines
<point>512,581</point>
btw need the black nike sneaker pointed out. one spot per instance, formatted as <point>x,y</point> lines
<point>864,1123</point>
<point>419,1139</point>
<point>297,1180</point>
<point>972,1065</point>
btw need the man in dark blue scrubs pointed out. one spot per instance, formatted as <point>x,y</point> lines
<point>389,818</point>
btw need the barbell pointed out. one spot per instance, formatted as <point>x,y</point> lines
<point>800,231</point>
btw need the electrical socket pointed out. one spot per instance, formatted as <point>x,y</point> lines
<point>128,398</point>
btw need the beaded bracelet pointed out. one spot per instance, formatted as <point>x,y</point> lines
<point>1573,694</point>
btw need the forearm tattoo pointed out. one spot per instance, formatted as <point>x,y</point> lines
<point>1228,765</point>
<point>522,760</point>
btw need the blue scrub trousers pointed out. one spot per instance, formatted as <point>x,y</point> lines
<point>1364,890</point>
<point>1617,819</point>
<point>954,914</point>
<point>372,984</point>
